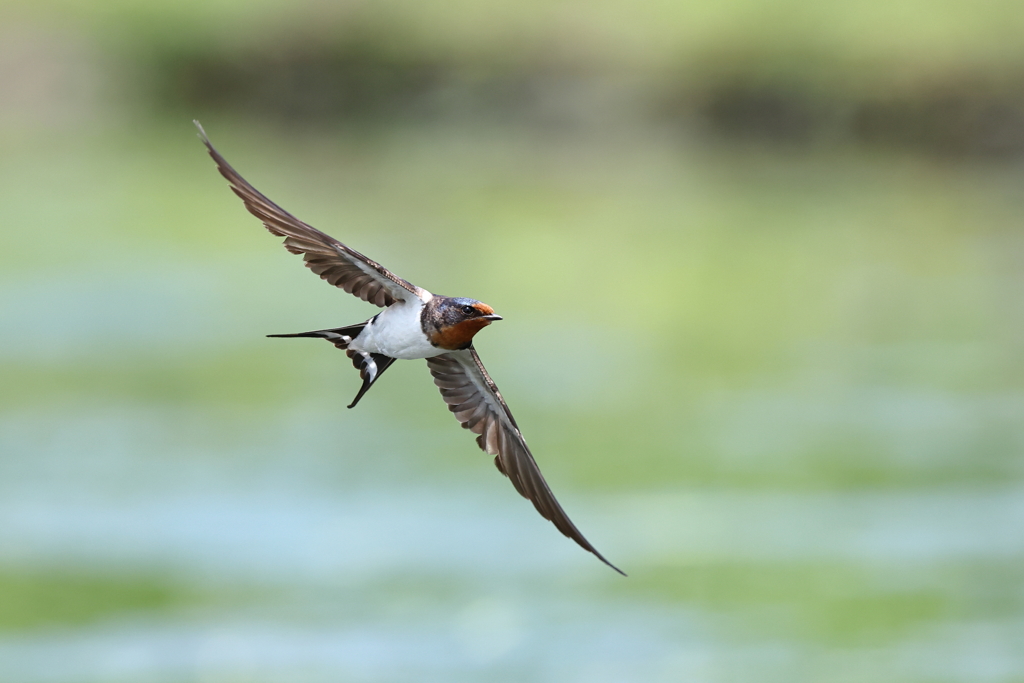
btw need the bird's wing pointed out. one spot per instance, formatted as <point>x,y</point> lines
<point>334,262</point>
<point>472,395</point>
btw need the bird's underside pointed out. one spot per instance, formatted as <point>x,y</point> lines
<point>464,383</point>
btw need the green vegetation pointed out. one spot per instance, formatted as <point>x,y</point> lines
<point>34,599</point>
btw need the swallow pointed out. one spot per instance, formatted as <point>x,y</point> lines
<point>414,324</point>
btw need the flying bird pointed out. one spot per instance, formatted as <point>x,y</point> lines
<point>414,324</point>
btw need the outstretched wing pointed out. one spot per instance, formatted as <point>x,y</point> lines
<point>471,394</point>
<point>334,262</point>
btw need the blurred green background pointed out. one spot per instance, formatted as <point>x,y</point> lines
<point>770,254</point>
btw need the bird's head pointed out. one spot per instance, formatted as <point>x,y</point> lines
<point>451,322</point>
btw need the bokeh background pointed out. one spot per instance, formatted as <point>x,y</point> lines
<point>761,272</point>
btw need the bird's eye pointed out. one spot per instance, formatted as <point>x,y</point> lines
<point>468,310</point>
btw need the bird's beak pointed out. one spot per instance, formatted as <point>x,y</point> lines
<point>491,317</point>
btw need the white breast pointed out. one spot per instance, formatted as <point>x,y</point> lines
<point>397,332</point>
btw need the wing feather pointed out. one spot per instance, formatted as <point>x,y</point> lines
<point>334,262</point>
<point>476,402</point>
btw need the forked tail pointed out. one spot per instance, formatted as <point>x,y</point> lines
<point>340,336</point>
<point>370,365</point>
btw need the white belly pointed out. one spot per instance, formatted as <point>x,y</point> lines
<point>396,332</point>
